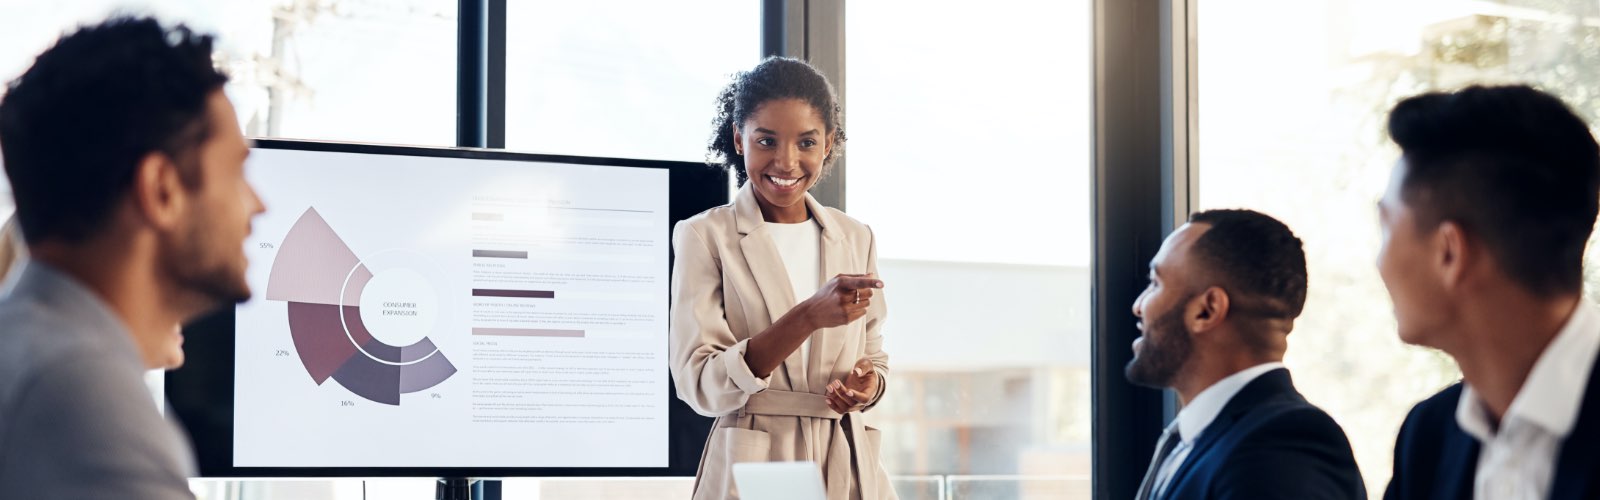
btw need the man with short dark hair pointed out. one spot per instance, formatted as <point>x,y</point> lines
<point>1485,222</point>
<point>127,165</point>
<point>1224,292</point>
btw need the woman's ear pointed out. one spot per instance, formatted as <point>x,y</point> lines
<point>738,139</point>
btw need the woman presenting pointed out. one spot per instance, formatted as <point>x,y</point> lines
<point>776,304</point>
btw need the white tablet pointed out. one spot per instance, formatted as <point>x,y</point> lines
<point>779,481</point>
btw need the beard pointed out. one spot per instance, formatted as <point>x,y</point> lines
<point>204,272</point>
<point>1165,349</point>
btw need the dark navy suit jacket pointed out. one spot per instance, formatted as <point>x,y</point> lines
<point>1268,443</point>
<point>1435,459</point>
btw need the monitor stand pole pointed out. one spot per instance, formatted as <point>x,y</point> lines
<point>454,488</point>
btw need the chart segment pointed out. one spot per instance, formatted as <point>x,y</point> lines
<point>324,281</point>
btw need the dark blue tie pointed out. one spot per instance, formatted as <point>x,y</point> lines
<point>1169,441</point>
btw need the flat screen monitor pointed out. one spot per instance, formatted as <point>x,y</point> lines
<point>447,312</point>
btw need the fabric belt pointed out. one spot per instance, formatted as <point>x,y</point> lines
<point>789,403</point>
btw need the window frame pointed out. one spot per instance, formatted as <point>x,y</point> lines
<point>1141,191</point>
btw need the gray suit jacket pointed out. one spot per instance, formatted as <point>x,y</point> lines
<point>76,420</point>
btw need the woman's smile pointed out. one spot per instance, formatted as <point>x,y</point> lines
<point>786,184</point>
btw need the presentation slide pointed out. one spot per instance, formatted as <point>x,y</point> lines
<point>445,312</point>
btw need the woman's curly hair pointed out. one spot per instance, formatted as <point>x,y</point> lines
<point>773,79</point>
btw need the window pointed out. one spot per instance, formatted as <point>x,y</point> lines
<point>369,71</point>
<point>629,78</point>
<point>969,157</point>
<point>1294,127</point>
<point>305,69</point>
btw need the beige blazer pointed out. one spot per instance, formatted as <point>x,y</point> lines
<point>728,284</point>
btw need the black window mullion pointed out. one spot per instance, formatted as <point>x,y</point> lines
<point>472,58</point>
<point>1128,224</point>
<point>495,102</point>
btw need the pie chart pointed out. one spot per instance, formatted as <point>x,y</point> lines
<point>361,322</point>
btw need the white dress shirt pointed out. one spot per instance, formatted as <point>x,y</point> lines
<point>1517,461</point>
<point>1198,414</point>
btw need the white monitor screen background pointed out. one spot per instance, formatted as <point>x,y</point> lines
<point>417,311</point>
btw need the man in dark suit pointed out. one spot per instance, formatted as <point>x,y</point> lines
<point>1224,292</point>
<point>1485,223</point>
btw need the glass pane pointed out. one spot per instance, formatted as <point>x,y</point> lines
<point>307,69</point>
<point>1038,486</point>
<point>640,488</point>
<point>1295,128</point>
<point>315,489</point>
<point>988,331</point>
<point>623,78</point>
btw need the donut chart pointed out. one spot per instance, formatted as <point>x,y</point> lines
<point>325,283</point>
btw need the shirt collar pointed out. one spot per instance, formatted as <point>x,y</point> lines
<point>1553,392</point>
<point>1198,414</point>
